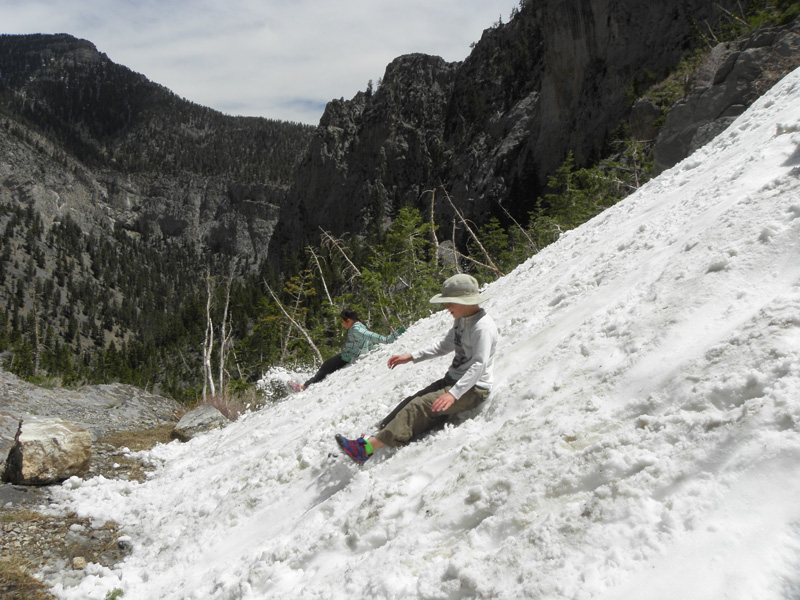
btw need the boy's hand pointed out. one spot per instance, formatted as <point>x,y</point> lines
<point>399,359</point>
<point>443,402</point>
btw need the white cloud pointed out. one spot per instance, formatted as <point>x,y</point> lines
<point>274,59</point>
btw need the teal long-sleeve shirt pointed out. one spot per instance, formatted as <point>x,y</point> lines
<point>361,340</point>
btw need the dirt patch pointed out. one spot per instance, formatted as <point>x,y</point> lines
<point>141,439</point>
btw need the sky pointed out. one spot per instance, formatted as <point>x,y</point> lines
<point>641,440</point>
<point>269,58</point>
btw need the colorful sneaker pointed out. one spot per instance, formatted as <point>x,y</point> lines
<point>294,386</point>
<point>355,449</point>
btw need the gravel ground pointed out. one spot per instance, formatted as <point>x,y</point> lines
<point>34,542</point>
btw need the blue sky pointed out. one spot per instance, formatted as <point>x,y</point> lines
<point>269,58</point>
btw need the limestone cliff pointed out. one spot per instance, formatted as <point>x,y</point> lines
<point>211,213</point>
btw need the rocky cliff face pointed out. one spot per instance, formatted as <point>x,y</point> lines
<point>374,150</point>
<point>730,79</point>
<point>211,213</point>
<point>555,79</point>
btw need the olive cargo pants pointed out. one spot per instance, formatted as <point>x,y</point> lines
<point>414,416</point>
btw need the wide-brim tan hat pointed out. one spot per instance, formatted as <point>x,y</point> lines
<point>460,289</point>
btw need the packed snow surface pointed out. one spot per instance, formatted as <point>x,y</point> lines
<point>642,440</point>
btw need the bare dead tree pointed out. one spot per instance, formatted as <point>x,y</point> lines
<point>208,342</point>
<point>313,254</point>
<point>37,340</point>
<point>226,332</point>
<point>433,227</point>
<point>490,263</point>
<point>327,237</point>
<point>294,323</point>
<point>456,254</point>
<point>236,361</point>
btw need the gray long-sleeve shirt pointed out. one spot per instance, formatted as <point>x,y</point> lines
<point>473,339</point>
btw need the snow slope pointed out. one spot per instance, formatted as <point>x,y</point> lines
<point>642,441</point>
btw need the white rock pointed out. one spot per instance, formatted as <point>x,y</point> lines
<point>48,451</point>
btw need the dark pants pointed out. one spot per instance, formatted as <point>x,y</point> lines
<point>334,363</point>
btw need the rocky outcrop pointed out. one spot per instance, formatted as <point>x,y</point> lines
<point>374,150</point>
<point>732,77</point>
<point>48,451</point>
<point>491,129</point>
<point>197,421</point>
<point>100,409</point>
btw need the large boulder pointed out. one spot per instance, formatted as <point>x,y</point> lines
<point>48,451</point>
<point>197,421</point>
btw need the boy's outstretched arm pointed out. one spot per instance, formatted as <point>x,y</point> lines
<point>399,359</point>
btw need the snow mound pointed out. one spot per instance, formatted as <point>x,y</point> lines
<point>642,441</point>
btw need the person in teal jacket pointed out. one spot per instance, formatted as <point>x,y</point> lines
<point>360,340</point>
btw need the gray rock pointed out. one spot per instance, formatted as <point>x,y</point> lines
<point>101,409</point>
<point>730,79</point>
<point>48,451</point>
<point>200,420</point>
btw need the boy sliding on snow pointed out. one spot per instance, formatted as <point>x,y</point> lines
<point>473,338</point>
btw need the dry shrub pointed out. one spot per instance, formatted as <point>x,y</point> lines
<point>231,408</point>
<point>234,404</point>
<point>17,584</point>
